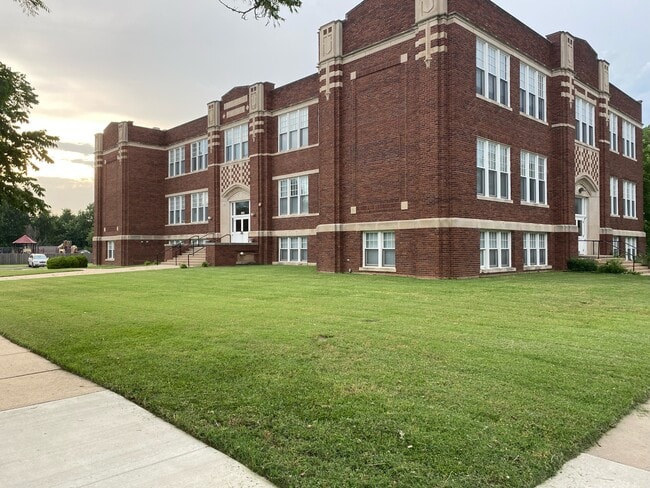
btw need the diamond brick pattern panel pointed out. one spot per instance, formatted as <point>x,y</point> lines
<point>588,163</point>
<point>239,173</point>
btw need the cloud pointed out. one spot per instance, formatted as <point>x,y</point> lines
<point>63,193</point>
<point>76,147</point>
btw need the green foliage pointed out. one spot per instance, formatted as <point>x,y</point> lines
<point>183,266</point>
<point>32,7</point>
<point>204,264</point>
<point>357,381</point>
<point>582,265</point>
<point>12,224</point>
<point>265,9</point>
<point>613,266</point>
<point>20,149</point>
<point>62,262</point>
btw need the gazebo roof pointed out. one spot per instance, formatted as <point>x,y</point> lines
<point>25,240</point>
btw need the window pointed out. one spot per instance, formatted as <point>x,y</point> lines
<point>616,246</point>
<point>492,73</point>
<point>199,155</point>
<point>629,140</point>
<point>176,209</point>
<point>585,114</point>
<point>532,92</point>
<point>533,178</point>
<point>631,249</point>
<point>495,250</point>
<point>613,195</point>
<point>629,199</point>
<point>493,169</point>
<point>110,251</point>
<point>379,249</point>
<point>176,161</point>
<point>293,130</point>
<point>236,143</point>
<point>200,207</point>
<point>293,249</point>
<point>613,132</point>
<point>294,196</point>
<point>535,249</point>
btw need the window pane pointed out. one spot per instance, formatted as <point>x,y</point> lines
<point>389,257</point>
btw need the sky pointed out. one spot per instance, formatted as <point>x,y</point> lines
<point>159,62</point>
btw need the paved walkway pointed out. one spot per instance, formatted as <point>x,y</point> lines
<point>60,431</point>
<point>88,271</point>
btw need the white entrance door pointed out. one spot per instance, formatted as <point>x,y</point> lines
<point>581,222</point>
<point>239,221</point>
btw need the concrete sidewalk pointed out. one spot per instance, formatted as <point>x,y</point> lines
<point>61,431</point>
<point>620,459</point>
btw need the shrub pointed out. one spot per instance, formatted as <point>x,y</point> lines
<point>204,264</point>
<point>148,263</point>
<point>63,262</point>
<point>643,259</point>
<point>612,266</point>
<point>183,266</point>
<point>582,265</point>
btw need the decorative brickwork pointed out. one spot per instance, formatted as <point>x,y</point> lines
<point>233,174</point>
<point>588,163</point>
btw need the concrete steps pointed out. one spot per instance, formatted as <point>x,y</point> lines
<point>188,259</point>
<point>636,267</point>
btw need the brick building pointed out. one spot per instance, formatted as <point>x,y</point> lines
<point>439,138</point>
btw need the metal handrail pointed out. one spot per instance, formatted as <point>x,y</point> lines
<point>633,247</point>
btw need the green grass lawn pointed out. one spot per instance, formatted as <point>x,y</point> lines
<point>320,380</point>
<point>8,270</point>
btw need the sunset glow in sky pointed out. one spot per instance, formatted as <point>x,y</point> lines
<point>159,62</point>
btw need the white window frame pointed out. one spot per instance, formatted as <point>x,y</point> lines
<point>110,251</point>
<point>535,249</point>
<point>236,143</point>
<point>176,207</point>
<point>631,248</point>
<point>629,199</point>
<point>492,73</point>
<point>613,132</point>
<point>532,92</point>
<point>616,246</point>
<point>613,196</point>
<point>585,122</point>
<point>199,155</point>
<point>293,130</point>
<point>629,140</point>
<point>495,250</point>
<point>292,249</point>
<point>176,160</point>
<point>293,196</point>
<point>199,207</point>
<point>493,170</point>
<point>533,178</point>
<point>379,250</point>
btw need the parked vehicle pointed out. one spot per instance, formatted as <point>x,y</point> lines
<point>36,260</point>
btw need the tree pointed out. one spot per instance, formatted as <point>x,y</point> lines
<point>19,149</point>
<point>646,183</point>
<point>264,9</point>
<point>32,7</point>
<point>13,224</point>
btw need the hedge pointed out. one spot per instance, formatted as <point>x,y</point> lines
<point>61,262</point>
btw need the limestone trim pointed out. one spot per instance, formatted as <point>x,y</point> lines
<point>235,103</point>
<point>288,151</point>
<point>295,175</point>
<point>166,237</point>
<point>446,223</point>
<point>189,192</point>
<point>380,46</point>
<point>628,233</point>
<point>297,106</point>
<point>465,24</point>
<point>283,233</point>
<point>627,118</point>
